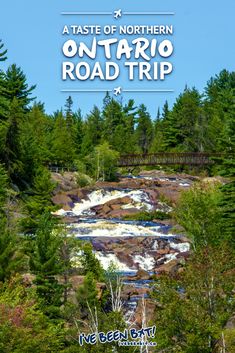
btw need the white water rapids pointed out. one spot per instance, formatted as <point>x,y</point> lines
<point>140,199</point>
<point>88,227</point>
<point>117,229</point>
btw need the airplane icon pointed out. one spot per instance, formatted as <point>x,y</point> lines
<point>117,13</point>
<point>117,91</point>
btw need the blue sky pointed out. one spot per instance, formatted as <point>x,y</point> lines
<point>203,41</point>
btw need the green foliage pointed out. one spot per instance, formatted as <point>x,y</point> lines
<point>102,163</point>
<point>83,180</point>
<point>193,308</point>
<point>144,130</point>
<point>63,148</point>
<point>87,295</point>
<point>23,326</point>
<point>199,213</point>
<point>12,157</point>
<point>39,202</point>
<point>3,187</point>
<point>92,133</point>
<point>35,141</point>
<point>45,264</point>
<point>148,216</point>
<point>16,86</point>
<point>90,263</point>
<point>11,253</point>
<point>228,210</point>
<point>11,256</point>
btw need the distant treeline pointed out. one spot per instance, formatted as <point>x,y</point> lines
<point>30,138</point>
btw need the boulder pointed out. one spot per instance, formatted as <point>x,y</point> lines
<point>142,274</point>
<point>122,213</point>
<point>64,201</point>
<point>170,267</point>
<point>119,201</point>
<point>65,182</point>
<point>125,258</point>
<point>106,209</point>
<point>115,207</point>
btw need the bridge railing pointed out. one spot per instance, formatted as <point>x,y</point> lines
<point>153,159</point>
<point>168,158</point>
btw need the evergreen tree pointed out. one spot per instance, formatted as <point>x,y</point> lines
<point>184,123</point>
<point>3,188</point>
<point>10,256</point>
<point>35,141</point>
<point>79,128</point>
<point>128,144</point>
<point>69,248</point>
<point>144,130</point>
<point>113,123</point>
<point>63,144</point>
<point>93,129</point>
<point>46,265</point>
<point>16,86</point>
<point>39,201</point>
<point>87,296</point>
<point>90,263</point>
<point>69,106</point>
<point>228,190</point>
<point>13,155</point>
<point>158,128</point>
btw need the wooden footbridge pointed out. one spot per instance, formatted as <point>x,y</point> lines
<point>169,158</point>
<point>154,159</point>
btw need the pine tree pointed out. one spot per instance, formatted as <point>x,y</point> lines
<point>228,190</point>
<point>79,128</point>
<point>87,296</point>
<point>128,144</point>
<point>4,108</point>
<point>3,187</point>
<point>35,136</point>
<point>144,130</point>
<point>10,256</point>
<point>39,201</point>
<point>158,129</point>
<point>90,263</point>
<point>13,156</point>
<point>93,129</point>
<point>69,106</point>
<point>185,122</point>
<point>220,96</point>
<point>63,144</point>
<point>46,265</point>
<point>113,117</point>
<point>16,86</point>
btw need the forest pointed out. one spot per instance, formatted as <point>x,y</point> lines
<point>196,307</point>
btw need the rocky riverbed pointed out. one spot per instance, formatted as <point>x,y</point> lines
<point>138,249</point>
